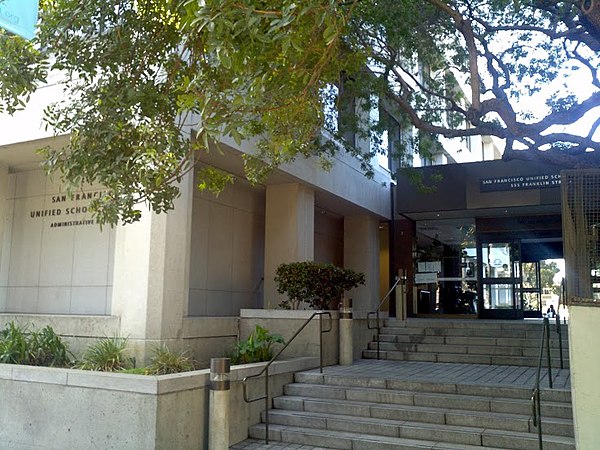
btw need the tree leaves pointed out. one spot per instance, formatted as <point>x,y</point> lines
<point>298,79</point>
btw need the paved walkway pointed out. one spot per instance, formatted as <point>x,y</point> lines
<point>476,374</point>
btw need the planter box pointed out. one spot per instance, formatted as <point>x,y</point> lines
<point>287,322</point>
<point>54,408</point>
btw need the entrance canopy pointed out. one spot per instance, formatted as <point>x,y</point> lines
<point>484,189</point>
<point>478,237</point>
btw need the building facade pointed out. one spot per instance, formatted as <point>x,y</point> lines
<point>182,277</point>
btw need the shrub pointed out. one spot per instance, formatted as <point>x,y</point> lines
<point>36,348</point>
<point>47,349</point>
<point>164,361</point>
<point>257,348</point>
<point>321,286</point>
<point>14,348</point>
<point>108,355</point>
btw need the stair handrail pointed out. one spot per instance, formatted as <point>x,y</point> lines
<point>376,312</point>
<point>265,369</point>
<point>536,401</point>
<point>560,346</point>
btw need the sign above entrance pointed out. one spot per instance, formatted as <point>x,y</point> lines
<point>19,17</point>
<point>519,182</point>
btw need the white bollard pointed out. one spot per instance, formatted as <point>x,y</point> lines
<point>218,420</point>
<point>346,339</point>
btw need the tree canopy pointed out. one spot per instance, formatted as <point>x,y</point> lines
<point>151,84</point>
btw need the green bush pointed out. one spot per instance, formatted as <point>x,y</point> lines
<point>321,286</point>
<point>47,349</point>
<point>107,355</point>
<point>35,348</point>
<point>164,361</point>
<point>257,348</point>
<point>14,346</point>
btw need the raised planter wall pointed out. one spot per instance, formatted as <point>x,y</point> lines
<point>53,408</point>
<point>287,322</point>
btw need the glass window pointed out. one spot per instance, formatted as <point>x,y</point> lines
<point>531,301</point>
<point>496,260</point>
<point>498,296</point>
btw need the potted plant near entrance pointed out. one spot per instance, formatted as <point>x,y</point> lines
<point>318,285</point>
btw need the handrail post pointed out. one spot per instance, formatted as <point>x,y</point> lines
<point>321,343</point>
<point>267,404</point>
<point>560,349</point>
<point>539,421</point>
<point>378,328</point>
<point>547,327</point>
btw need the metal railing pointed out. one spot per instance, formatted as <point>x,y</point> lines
<point>266,397</point>
<point>536,401</point>
<point>376,313</point>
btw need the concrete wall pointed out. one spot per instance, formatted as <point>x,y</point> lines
<point>286,323</point>
<point>54,260</point>
<point>209,337</point>
<point>227,251</point>
<point>329,238</point>
<point>77,331</point>
<point>584,336</point>
<point>50,408</point>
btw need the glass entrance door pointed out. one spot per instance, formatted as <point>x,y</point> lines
<point>500,274</point>
<point>531,289</point>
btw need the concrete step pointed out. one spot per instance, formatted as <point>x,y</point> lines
<point>453,433</point>
<point>488,390</point>
<point>468,340</point>
<point>482,324</point>
<point>533,333</point>
<point>466,348</point>
<point>428,399</point>
<point>422,414</point>
<point>359,441</point>
<point>526,361</point>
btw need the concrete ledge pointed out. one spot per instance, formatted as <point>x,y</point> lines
<point>69,408</point>
<point>291,314</point>
<point>67,325</point>
<point>199,327</point>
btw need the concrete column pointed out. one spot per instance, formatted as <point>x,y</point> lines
<point>361,253</point>
<point>219,404</point>
<point>5,232</point>
<point>584,334</point>
<point>289,232</point>
<point>346,335</point>
<point>151,275</point>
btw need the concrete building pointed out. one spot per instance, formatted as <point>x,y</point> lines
<point>182,277</point>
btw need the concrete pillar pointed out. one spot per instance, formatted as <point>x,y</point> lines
<point>584,334</point>
<point>346,335</point>
<point>219,404</point>
<point>289,232</point>
<point>361,253</point>
<point>5,231</point>
<point>151,275</point>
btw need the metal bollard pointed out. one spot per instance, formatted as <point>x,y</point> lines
<point>219,417</point>
<point>346,339</point>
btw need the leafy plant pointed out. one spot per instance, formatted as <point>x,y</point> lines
<point>165,361</point>
<point>37,348</point>
<point>321,286</point>
<point>13,345</point>
<point>47,349</point>
<point>108,355</point>
<point>257,348</point>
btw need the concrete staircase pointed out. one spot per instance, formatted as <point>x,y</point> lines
<point>441,384</point>
<point>467,341</point>
<point>345,409</point>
